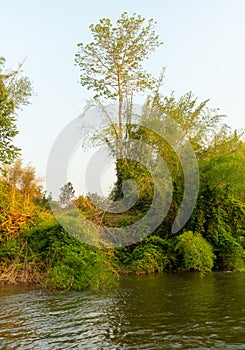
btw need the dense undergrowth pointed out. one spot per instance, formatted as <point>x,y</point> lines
<point>35,249</point>
<point>40,253</point>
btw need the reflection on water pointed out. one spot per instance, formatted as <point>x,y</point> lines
<point>162,311</point>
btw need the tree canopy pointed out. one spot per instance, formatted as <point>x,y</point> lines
<point>111,65</point>
<point>15,91</point>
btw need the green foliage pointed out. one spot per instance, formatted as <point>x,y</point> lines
<point>43,202</point>
<point>148,259</point>
<point>151,254</point>
<point>80,269</point>
<point>223,163</point>
<point>112,62</point>
<point>230,254</point>
<point>69,263</point>
<point>8,126</point>
<point>132,170</point>
<point>220,218</point>
<point>78,227</point>
<point>199,123</point>
<point>122,222</point>
<point>9,249</point>
<point>15,91</point>
<point>195,253</point>
<point>111,65</point>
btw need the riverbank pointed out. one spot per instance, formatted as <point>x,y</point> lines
<point>45,256</point>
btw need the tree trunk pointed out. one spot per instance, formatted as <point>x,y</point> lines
<point>120,114</point>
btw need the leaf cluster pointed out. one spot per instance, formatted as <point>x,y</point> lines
<point>113,60</point>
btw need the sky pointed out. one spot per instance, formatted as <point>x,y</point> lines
<point>203,52</point>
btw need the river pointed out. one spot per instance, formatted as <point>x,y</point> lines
<point>161,311</point>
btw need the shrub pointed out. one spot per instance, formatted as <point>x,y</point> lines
<point>194,252</point>
<point>152,254</point>
<point>148,259</point>
<point>229,252</point>
<point>69,263</point>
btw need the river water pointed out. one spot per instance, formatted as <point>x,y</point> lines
<point>161,311</point>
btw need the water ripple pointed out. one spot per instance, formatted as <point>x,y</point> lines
<point>164,311</point>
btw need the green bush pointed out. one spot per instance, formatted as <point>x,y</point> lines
<point>9,250</point>
<point>230,255</point>
<point>80,270</point>
<point>148,259</point>
<point>194,252</point>
<point>152,254</point>
<point>69,263</point>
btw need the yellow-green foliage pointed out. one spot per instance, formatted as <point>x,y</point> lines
<point>151,255</point>
<point>195,252</point>
<point>69,263</point>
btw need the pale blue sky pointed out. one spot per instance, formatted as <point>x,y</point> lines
<point>204,51</point>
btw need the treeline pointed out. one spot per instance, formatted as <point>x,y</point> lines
<point>36,250</point>
<point>34,246</point>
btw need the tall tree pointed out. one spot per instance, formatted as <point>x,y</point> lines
<point>111,65</point>
<point>15,91</point>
